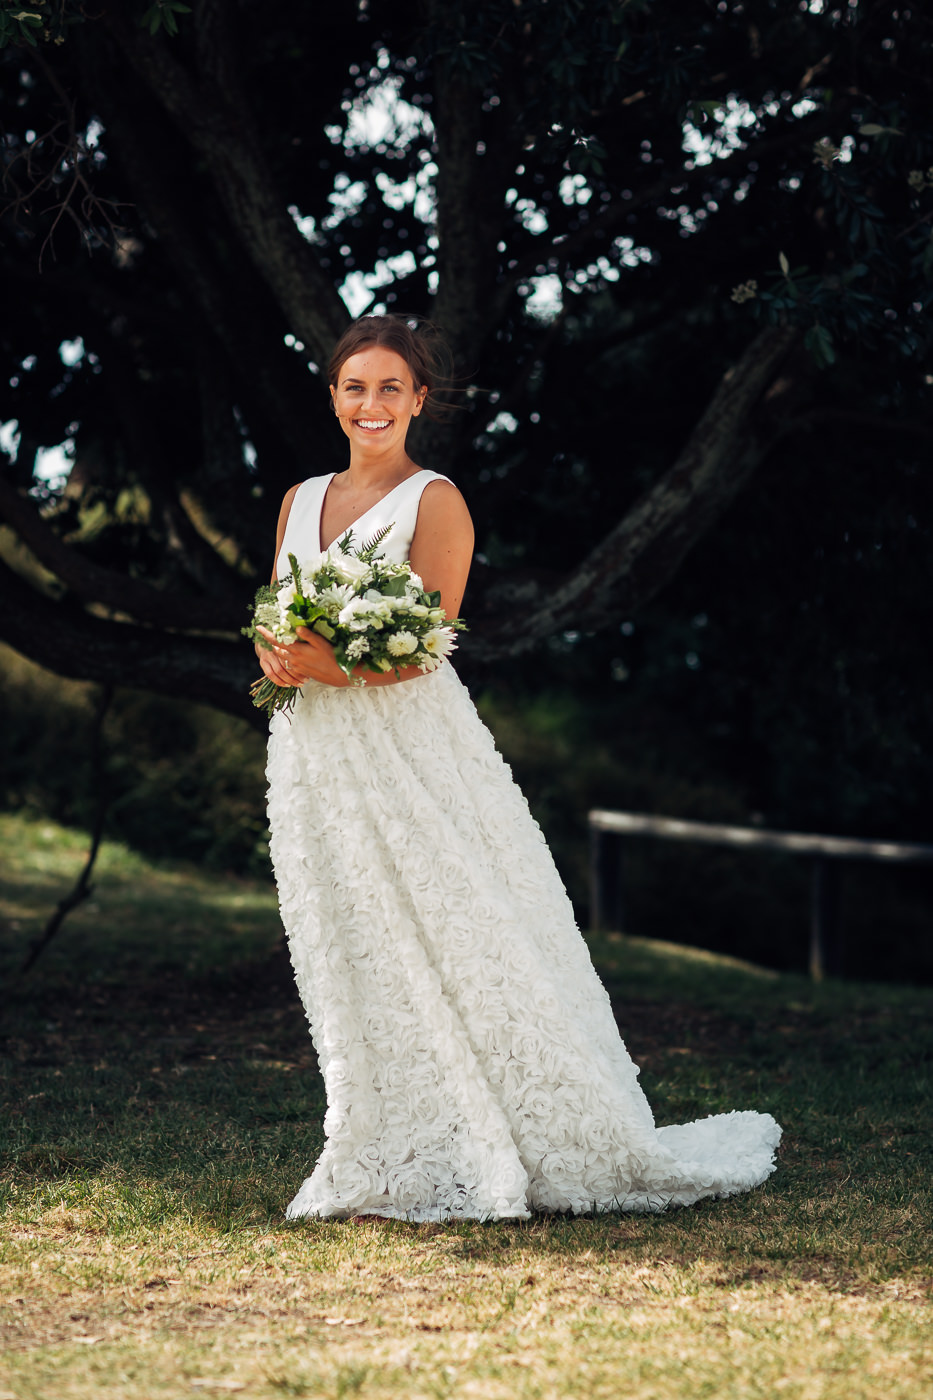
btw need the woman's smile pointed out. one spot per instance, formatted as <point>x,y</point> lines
<point>373,425</point>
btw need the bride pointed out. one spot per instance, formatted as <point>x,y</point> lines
<point>471,1060</point>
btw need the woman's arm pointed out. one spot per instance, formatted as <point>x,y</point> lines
<point>284,513</point>
<point>442,549</point>
<point>270,661</point>
<point>441,553</point>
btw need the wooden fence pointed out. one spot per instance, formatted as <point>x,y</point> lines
<point>607,897</point>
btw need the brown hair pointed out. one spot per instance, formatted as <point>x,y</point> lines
<point>419,343</point>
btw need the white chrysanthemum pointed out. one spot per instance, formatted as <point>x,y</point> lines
<point>402,644</point>
<point>438,643</point>
<point>336,597</point>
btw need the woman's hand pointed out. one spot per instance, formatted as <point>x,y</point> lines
<point>310,659</point>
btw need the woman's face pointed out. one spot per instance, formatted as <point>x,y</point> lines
<point>375,398</point>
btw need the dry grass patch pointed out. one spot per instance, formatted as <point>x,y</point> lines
<point>395,1314</point>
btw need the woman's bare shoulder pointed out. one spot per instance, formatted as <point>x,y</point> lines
<point>442,496</point>
<point>443,511</point>
<point>287,502</point>
<point>284,513</point>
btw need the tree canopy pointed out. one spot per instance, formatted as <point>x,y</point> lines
<point>670,245</point>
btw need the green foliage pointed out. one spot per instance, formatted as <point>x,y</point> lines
<point>50,20</point>
<point>161,15</point>
<point>181,781</point>
<point>18,23</point>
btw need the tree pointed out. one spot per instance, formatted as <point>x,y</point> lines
<point>662,242</point>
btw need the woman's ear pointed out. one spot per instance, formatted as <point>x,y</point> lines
<point>422,395</point>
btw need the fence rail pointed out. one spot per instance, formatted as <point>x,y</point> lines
<point>607,898</point>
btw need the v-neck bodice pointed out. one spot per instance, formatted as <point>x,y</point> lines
<point>398,508</point>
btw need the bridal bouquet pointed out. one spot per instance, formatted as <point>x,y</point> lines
<point>376,614</point>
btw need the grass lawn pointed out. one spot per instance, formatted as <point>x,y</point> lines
<point>161,1105</point>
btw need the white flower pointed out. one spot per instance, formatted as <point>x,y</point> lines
<point>350,569</point>
<point>350,612</point>
<point>418,610</point>
<point>363,611</point>
<point>438,643</point>
<point>357,647</point>
<point>284,598</point>
<point>415,581</point>
<point>266,614</point>
<point>336,597</point>
<point>402,644</point>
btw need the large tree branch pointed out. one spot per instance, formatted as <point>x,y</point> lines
<point>647,546</point>
<point>189,552</point>
<point>185,248</point>
<point>222,134</point>
<point>70,642</point>
<point>119,592</point>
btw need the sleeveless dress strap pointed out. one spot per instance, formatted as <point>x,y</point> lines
<point>398,508</point>
<point>301,529</point>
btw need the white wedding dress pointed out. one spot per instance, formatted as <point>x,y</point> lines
<point>471,1059</point>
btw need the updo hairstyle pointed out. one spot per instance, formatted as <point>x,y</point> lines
<point>419,343</point>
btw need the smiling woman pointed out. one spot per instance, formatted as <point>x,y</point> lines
<point>381,376</point>
<point>472,1064</point>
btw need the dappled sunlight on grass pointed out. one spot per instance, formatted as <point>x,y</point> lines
<point>138,913</point>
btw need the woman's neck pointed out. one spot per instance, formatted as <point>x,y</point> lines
<point>368,471</point>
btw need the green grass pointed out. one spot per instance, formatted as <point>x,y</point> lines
<point>162,1103</point>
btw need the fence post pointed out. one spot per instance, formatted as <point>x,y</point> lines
<point>825,942</point>
<point>606,901</point>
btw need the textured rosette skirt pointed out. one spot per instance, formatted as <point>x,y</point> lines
<point>471,1060</point>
